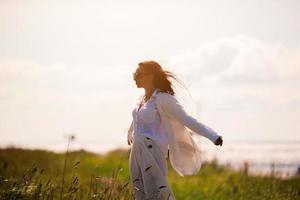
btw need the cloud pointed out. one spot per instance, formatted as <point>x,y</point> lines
<point>239,60</point>
<point>23,81</point>
<point>56,97</point>
<point>241,73</point>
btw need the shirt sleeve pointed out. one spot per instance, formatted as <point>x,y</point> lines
<point>174,108</point>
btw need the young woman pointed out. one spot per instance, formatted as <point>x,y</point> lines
<point>161,130</point>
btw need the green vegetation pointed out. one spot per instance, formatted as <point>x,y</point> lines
<point>38,174</point>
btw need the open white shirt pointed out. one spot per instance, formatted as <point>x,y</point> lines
<point>177,127</point>
<point>147,122</point>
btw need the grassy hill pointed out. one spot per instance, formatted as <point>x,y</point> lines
<point>38,174</point>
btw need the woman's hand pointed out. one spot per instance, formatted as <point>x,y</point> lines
<point>219,141</point>
<point>129,141</point>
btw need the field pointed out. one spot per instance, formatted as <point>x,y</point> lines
<point>39,174</point>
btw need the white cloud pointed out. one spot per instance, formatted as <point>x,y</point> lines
<point>25,79</point>
<point>57,97</point>
<point>241,74</point>
<point>239,60</point>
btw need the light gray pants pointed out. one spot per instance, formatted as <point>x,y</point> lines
<point>148,170</point>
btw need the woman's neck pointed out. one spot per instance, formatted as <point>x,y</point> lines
<point>148,93</point>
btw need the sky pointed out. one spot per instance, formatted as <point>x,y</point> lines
<point>66,67</point>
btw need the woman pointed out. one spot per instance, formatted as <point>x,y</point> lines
<point>159,131</point>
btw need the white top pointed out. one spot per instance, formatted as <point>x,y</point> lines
<point>147,122</point>
<point>179,128</point>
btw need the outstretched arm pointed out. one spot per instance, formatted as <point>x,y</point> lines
<point>174,108</point>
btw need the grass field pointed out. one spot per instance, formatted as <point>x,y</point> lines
<point>39,174</point>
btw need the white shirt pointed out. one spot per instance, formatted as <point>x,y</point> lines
<point>147,122</point>
<point>179,128</point>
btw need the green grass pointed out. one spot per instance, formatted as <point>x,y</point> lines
<point>37,174</point>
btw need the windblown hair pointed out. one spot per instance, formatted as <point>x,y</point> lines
<point>161,77</point>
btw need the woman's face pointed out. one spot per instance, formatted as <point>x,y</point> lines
<point>142,78</point>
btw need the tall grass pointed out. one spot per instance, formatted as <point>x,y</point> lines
<point>20,180</point>
<point>38,174</point>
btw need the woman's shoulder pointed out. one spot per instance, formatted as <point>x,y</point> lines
<point>162,93</point>
<point>161,96</point>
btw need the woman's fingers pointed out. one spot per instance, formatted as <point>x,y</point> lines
<point>219,141</point>
<point>129,141</point>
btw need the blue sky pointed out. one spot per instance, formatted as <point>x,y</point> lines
<point>66,66</point>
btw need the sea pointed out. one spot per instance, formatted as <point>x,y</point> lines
<point>264,157</point>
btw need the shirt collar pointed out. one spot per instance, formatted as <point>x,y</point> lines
<point>154,93</point>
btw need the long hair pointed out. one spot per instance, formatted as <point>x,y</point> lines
<point>161,78</point>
